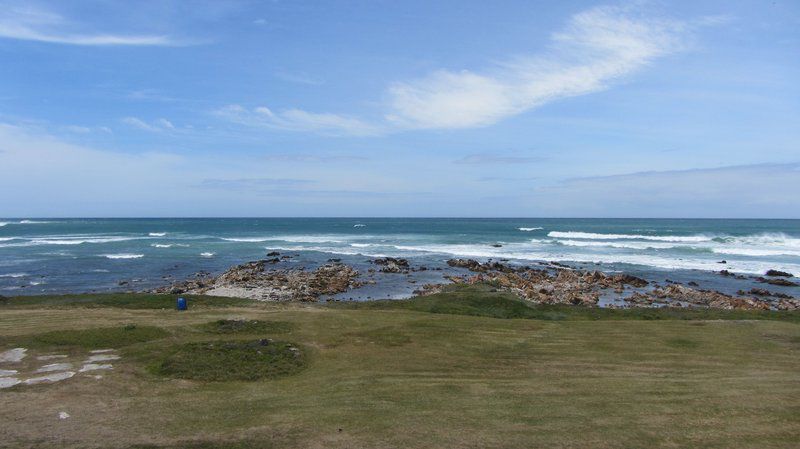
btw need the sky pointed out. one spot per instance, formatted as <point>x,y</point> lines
<point>413,108</point>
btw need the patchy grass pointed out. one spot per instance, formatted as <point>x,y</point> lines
<point>391,375</point>
<point>120,300</point>
<point>484,300</point>
<point>112,337</point>
<point>232,360</point>
<point>242,326</point>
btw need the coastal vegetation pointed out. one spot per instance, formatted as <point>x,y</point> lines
<point>467,367</point>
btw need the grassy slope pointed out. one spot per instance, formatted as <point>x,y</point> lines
<point>392,375</point>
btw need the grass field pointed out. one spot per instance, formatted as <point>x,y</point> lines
<point>467,368</point>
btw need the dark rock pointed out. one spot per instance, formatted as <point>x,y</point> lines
<point>779,273</point>
<point>497,245</point>
<point>693,284</point>
<point>781,282</point>
<point>334,260</point>
<point>723,261</point>
<point>273,254</point>
<point>725,272</point>
<point>392,265</point>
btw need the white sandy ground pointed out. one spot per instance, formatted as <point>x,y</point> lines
<point>6,382</point>
<point>101,358</point>
<point>54,367</point>
<point>56,371</point>
<point>95,367</point>
<point>55,377</point>
<point>51,357</point>
<point>13,355</point>
<point>63,415</point>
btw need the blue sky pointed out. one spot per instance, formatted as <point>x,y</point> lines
<point>413,108</point>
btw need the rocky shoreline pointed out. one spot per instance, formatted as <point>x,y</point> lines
<point>550,283</point>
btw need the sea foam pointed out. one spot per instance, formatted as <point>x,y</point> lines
<point>530,229</point>
<point>658,238</point>
<point>123,256</point>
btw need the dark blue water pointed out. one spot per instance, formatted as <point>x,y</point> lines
<point>78,255</point>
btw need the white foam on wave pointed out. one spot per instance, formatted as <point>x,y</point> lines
<point>13,275</point>
<point>157,234</point>
<point>627,245</point>
<point>68,240</point>
<point>207,254</point>
<point>658,238</point>
<point>33,222</point>
<point>3,223</point>
<point>530,229</point>
<point>359,225</point>
<point>161,245</point>
<point>290,239</point>
<point>755,252</point>
<point>123,256</point>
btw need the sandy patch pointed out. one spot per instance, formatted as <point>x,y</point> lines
<point>63,415</point>
<point>6,382</point>
<point>55,377</point>
<point>101,358</point>
<point>95,367</point>
<point>13,355</point>
<point>7,372</point>
<point>51,357</point>
<point>54,367</point>
<point>101,351</point>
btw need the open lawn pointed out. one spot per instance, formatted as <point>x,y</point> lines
<point>467,368</point>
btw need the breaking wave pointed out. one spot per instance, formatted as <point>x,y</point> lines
<point>658,238</point>
<point>530,229</point>
<point>123,256</point>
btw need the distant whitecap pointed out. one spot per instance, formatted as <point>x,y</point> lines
<point>123,256</point>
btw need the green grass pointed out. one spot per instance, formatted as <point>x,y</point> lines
<point>484,300</point>
<point>113,337</point>
<point>392,374</point>
<point>120,300</point>
<point>240,326</point>
<point>232,360</point>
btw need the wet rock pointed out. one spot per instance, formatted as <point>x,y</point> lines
<point>723,261</point>
<point>779,281</point>
<point>392,265</point>
<point>273,254</point>
<point>497,245</point>
<point>693,284</point>
<point>778,273</point>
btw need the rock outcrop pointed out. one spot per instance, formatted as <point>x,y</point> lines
<point>254,280</point>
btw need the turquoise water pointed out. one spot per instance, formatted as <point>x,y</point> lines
<point>76,255</point>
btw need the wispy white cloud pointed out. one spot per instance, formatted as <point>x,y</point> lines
<point>298,120</point>
<point>26,22</point>
<point>596,48</point>
<point>159,125</point>
<point>492,158</point>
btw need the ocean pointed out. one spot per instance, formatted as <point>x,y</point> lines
<point>59,255</point>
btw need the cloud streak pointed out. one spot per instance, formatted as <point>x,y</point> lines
<point>596,48</point>
<point>41,25</point>
<point>298,120</point>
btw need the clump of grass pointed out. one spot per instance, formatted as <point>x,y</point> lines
<point>247,327</point>
<point>109,337</point>
<point>232,360</point>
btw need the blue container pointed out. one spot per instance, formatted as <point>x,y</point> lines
<point>182,304</point>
